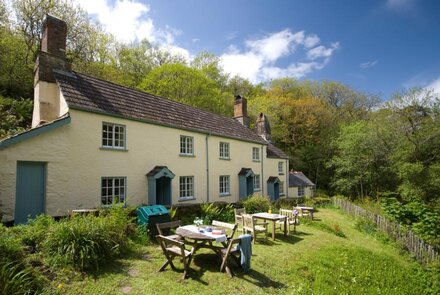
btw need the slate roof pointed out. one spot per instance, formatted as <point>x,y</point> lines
<point>245,171</point>
<point>92,94</point>
<point>298,178</point>
<point>274,152</point>
<point>273,179</point>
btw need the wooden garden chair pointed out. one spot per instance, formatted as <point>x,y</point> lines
<point>231,251</point>
<point>164,228</point>
<point>173,248</point>
<point>228,226</point>
<point>238,212</point>
<point>249,225</point>
<point>301,212</point>
<point>292,219</point>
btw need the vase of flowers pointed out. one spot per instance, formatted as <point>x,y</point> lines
<point>198,222</point>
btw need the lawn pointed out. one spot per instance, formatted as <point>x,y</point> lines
<point>314,260</point>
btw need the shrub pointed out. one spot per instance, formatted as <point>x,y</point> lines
<point>256,203</point>
<point>85,242</point>
<point>365,225</point>
<point>15,276</point>
<point>34,232</point>
<point>217,211</point>
<point>287,203</point>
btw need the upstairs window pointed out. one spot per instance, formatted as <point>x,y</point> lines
<point>186,187</point>
<point>280,168</point>
<point>186,145</point>
<point>224,150</point>
<point>255,154</point>
<point>113,190</point>
<point>224,183</point>
<point>113,136</point>
<point>257,182</point>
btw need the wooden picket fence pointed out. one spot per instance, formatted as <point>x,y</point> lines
<point>421,250</point>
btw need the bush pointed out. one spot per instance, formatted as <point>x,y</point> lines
<point>34,233</point>
<point>287,203</point>
<point>365,225</point>
<point>15,276</point>
<point>86,242</point>
<point>256,203</point>
<point>217,211</point>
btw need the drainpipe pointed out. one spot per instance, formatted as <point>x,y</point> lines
<point>286,183</point>
<point>262,173</point>
<point>207,167</point>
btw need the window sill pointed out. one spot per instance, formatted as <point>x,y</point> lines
<point>187,155</point>
<point>225,195</point>
<point>186,199</point>
<point>282,195</point>
<point>253,160</point>
<point>280,173</point>
<point>225,159</point>
<point>257,189</point>
<point>113,149</point>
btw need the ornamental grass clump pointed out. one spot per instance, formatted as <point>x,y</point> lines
<point>87,242</point>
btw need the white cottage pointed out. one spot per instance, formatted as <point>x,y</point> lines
<point>93,143</point>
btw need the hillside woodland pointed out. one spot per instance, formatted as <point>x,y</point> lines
<point>360,145</point>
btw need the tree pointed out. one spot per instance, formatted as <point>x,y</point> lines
<point>14,115</point>
<point>186,85</point>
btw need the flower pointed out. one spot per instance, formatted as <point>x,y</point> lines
<point>198,221</point>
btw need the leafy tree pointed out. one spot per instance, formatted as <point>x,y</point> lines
<point>186,85</point>
<point>209,64</point>
<point>14,115</point>
<point>16,75</point>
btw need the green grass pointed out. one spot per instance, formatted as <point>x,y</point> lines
<point>314,260</point>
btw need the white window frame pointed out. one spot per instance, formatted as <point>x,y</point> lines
<point>256,154</point>
<point>224,150</point>
<point>111,188</point>
<point>113,133</point>
<point>301,191</point>
<point>281,188</point>
<point>186,187</point>
<point>257,186</point>
<point>280,168</point>
<point>225,185</point>
<point>186,145</point>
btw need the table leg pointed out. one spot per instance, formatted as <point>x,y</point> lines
<point>285,226</point>
<point>273,230</point>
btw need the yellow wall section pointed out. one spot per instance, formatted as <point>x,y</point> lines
<point>76,162</point>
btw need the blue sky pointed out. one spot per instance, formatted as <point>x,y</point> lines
<point>377,46</point>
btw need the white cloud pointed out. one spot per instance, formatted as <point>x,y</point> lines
<point>311,40</point>
<point>128,21</point>
<point>322,51</point>
<point>435,86</point>
<point>258,62</point>
<point>368,64</point>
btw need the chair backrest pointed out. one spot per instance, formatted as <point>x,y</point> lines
<point>248,222</point>
<point>231,227</point>
<point>164,227</point>
<point>286,212</point>
<point>166,242</point>
<point>238,212</point>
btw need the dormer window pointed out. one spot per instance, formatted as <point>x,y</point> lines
<point>113,136</point>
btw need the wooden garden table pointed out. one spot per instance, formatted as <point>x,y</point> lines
<point>274,218</point>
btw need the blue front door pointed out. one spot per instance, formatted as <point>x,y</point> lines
<point>30,190</point>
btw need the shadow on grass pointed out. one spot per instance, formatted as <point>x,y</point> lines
<point>211,263</point>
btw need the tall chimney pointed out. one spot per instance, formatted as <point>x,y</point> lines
<point>52,56</point>
<point>263,127</point>
<point>240,110</point>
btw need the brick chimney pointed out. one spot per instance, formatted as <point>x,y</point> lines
<point>263,127</point>
<point>240,110</point>
<point>52,56</point>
